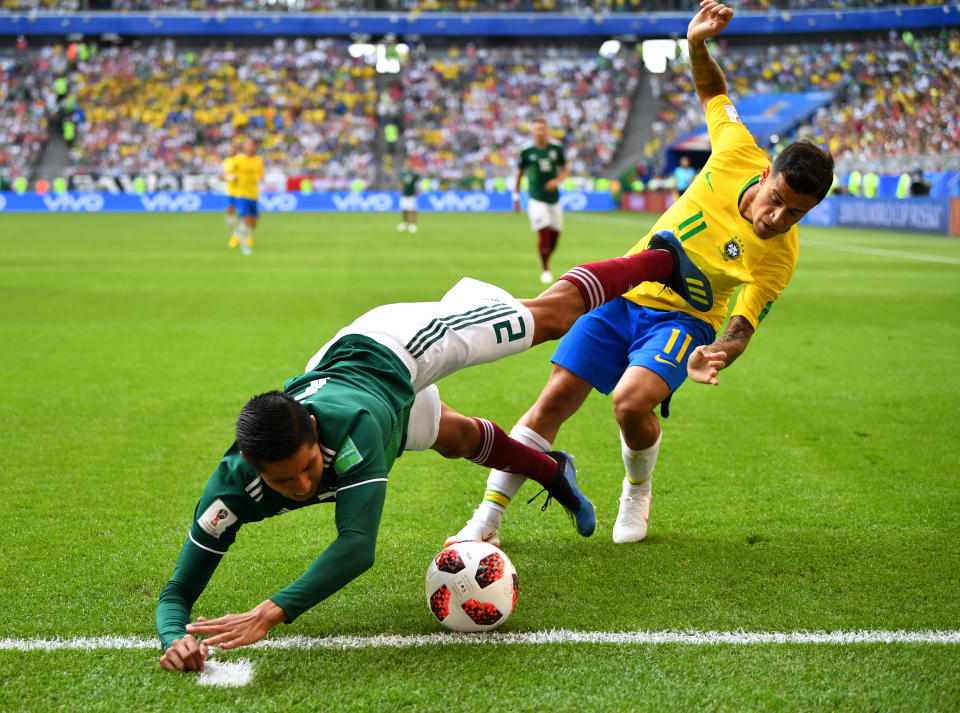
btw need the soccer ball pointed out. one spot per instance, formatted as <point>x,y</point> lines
<point>471,586</point>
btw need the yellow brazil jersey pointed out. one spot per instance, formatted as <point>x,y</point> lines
<point>231,186</point>
<point>720,241</point>
<point>249,170</point>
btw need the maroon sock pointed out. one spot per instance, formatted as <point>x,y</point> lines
<point>600,282</point>
<point>544,243</point>
<point>497,450</point>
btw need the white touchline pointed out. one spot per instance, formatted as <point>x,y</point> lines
<point>555,636</point>
<point>882,252</point>
<point>613,220</point>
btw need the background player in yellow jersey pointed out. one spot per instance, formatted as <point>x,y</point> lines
<point>230,178</point>
<point>737,222</point>
<point>246,171</point>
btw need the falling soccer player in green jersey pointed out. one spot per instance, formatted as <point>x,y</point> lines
<point>333,433</point>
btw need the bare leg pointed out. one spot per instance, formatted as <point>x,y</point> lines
<point>637,393</point>
<point>562,396</point>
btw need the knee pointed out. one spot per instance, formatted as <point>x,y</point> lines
<point>457,438</point>
<point>633,410</point>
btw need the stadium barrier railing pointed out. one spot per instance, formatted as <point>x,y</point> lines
<point>432,24</point>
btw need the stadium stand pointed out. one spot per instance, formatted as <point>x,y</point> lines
<point>467,113</point>
<point>27,98</point>
<point>893,96</point>
<point>469,6</point>
<point>310,104</point>
<point>463,110</point>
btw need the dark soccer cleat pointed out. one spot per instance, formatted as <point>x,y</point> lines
<point>687,280</point>
<point>563,488</point>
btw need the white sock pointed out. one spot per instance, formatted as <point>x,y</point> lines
<point>244,231</point>
<point>503,486</point>
<point>639,467</point>
<point>231,221</point>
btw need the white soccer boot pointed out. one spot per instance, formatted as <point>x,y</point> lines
<point>546,277</point>
<point>631,524</point>
<point>401,227</point>
<point>412,227</point>
<point>476,529</point>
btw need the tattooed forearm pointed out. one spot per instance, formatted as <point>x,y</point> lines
<point>734,340</point>
<point>707,76</point>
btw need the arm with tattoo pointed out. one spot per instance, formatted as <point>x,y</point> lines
<point>734,340</point>
<point>707,360</point>
<point>707,76</point>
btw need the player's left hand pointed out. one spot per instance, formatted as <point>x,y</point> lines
<point>552,185</point>
<point>234,630</point>
<point>712,19</point>
<point>704,364</point>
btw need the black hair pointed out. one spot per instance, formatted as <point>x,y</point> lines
<point>272,427</point>
<point>807,168</point>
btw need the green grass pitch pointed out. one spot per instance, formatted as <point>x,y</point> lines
<point>815,489</point>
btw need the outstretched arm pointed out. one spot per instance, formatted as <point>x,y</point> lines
<point>707,76</point>
<point>347,557</point>
<point>706,361</point>
<point>194,568</point>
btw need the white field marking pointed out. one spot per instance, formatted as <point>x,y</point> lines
<point>600,218</point>
<point>227,674</point>
<point>882,252</point>
<point>555,636</point>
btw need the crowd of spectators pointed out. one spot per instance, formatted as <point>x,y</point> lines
<point>893,97</point>
<point>309,104</point>
<point>562,6</point>
<point>463,112</point>
<point>466,113</point>
<point>27,99</point>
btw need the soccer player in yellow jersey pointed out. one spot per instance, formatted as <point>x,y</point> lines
<point>737,222</point>
<point>230,178</point>
<point>248,170</point>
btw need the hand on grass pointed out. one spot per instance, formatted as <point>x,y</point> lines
<point>234,630</point>
<point>186,654</point>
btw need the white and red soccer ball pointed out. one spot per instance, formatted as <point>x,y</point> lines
<point>471,586</point>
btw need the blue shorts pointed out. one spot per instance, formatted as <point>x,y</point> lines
<point>247,206</point>
<point>231,201</point>
<point>605,341</point>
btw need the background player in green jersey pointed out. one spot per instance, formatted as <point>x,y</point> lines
<point>334,431</point>
<point>408,196</point>
<point>737,222</point>
<point>546,170</point>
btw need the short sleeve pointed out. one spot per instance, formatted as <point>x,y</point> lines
<point>724,125</point>
<point>220,512</point>
<point>523,161</point>
<point>561,160</point>
<point>770,278</point>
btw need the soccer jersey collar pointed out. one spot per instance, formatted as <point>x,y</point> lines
<point>751,182</point>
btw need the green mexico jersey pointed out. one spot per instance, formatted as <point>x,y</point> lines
<point>410,180</point>
<point>360,394</point>
<point>542,165</point>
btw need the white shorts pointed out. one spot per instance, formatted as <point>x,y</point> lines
<point>474,323</point>
<point>408,203</point>
<point>545,215</point>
